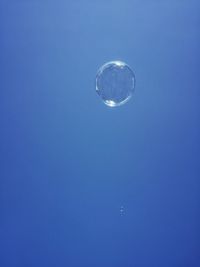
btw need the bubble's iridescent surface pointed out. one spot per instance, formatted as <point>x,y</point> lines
<point>115,83</point>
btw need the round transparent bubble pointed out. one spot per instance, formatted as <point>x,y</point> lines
<point>115,83</point>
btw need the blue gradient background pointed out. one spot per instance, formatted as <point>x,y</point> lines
<point>68,162</point>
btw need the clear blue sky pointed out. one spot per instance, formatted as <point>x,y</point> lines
<point>68,163</point>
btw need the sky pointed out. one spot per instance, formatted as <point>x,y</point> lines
<point>69,164</point>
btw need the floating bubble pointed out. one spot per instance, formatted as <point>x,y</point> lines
<point>115,83</point>
<point>121,210</point>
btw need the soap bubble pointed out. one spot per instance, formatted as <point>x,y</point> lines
<point>115,83</point>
